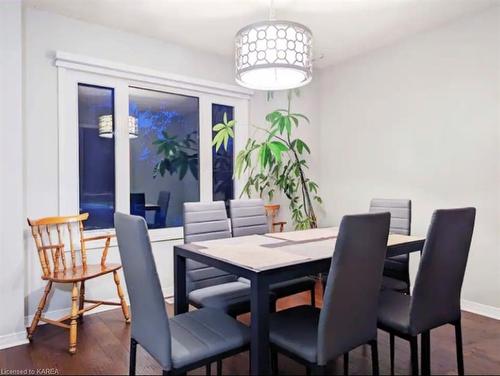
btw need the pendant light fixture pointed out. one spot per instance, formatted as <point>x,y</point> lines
<point>106,126</point>
<point>273,54</point>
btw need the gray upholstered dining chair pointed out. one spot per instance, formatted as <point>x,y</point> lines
<point>248,217</point>
<point>348,318</point>
<point>181,343</point>
<point>435,300</point>
<point>397,268</point>
<point>208,286</point>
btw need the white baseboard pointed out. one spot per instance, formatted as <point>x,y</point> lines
<point>13,339</point>
<point>481,309</point>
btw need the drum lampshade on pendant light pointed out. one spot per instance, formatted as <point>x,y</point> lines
<point>273,55</point>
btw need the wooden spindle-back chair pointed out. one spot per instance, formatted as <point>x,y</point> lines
<point>54,236</point>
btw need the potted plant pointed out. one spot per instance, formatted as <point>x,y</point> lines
<point>276,163</point>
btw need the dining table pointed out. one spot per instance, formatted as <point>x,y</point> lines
<point>264,260</point>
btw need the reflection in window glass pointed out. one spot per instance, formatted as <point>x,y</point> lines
<point>164,162</point>
<point>96,155</point>
<point>223,187</point>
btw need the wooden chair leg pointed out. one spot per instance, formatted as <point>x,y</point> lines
<point>346,364</point>
<point>82,300</point>
<point>39,310</point>
<point>208,369</point>
<point>133,356</point>
<point>460,350</point>
<point>425,355</point>
<point>74,319</point>
<point>391,340</point>
<point>374,348</point>
<point>414,356</point>
<point>125,311</point>
<point>219,367</point>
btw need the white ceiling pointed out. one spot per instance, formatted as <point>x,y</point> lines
<point>341,28</point>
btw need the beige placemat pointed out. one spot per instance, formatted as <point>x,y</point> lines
<point>249,240</point>
<point>395,239</point>
<point>253,256</point>
<point>306,235</point>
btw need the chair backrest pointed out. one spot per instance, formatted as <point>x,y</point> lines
<point>163,202</point>
<point>400,210</point>
<point>53,235</point>
<point>436,295</point>
<point>150,327</point>
<point>248,217</point>
<point>349,314</point>
<point>205,221</point>
<point>138,204</point>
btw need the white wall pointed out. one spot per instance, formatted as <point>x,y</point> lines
<point>46,33</point>
<point>420,120</point>
<point>11,171</point>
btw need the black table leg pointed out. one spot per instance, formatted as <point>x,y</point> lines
<point>259,362</point>
<point>180,293</point>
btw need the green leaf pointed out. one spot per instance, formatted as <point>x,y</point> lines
<point>277,148</point>
<point>301,116</point>
<point>218,127</point>
<point>224,118</point>
<point>287,124</point>
<point>217,141</point>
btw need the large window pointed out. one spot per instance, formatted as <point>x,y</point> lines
<point>138,141</point>
<point>164,156</point>
<point>96,155</point>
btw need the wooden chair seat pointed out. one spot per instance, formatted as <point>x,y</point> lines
<point>81,273</point>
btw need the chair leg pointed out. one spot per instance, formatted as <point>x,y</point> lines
<point>219,367</point>
<point>74,319</point>
<point>272,307</point>
<point>274,361</point>
<point>374,348</point>
<point>319,370</point>
<point>460,350</point>
<point>346,363</point>
<point>391,340</point>
<point>119,289</point>
<point>313,296</point>
<point>414,355</point>
<point>425,339</point>
<point>208,369</point>
<point>82,300</point>
<point>133,356</point>
<point>39,310</point>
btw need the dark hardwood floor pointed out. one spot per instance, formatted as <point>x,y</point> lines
<point>103,347</point>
